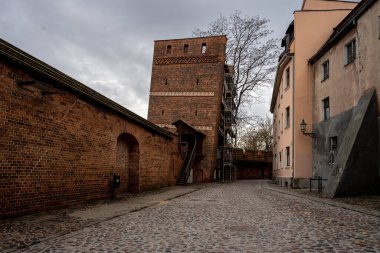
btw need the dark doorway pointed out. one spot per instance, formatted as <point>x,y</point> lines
<point>127,160</point>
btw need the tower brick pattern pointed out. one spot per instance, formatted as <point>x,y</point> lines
<point>187,84</point>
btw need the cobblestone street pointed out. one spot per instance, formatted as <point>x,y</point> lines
<point>238,217</point>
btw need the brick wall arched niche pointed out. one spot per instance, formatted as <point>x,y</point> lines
<point>127,162</point>
<point>198,176</point>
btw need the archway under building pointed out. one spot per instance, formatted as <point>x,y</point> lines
<point>127,162</point>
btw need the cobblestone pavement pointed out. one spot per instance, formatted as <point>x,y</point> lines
<point>24,231</point>
<point>237,217</point>
<point>365,204</point>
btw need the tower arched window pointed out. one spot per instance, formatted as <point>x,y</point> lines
<point>168,49</point>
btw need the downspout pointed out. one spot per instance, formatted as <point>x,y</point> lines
<point>293,91</point>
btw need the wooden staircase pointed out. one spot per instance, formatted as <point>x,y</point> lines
<point>187,165</point>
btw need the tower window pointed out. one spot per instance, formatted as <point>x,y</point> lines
<point>162,112</point>
<point>197,81</point>
<point>196,112</point>
<point>168,49</point>
<point>186,48</point>
<point>166,81</point>
<point>204,48</point>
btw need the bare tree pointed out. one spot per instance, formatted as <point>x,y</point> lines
<point>253,55</point>
<point>258,137</point>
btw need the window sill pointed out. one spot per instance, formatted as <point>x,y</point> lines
<point>323,80</point>
<point>349,63</point>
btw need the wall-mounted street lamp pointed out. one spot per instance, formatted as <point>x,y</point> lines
<point>303,130</point>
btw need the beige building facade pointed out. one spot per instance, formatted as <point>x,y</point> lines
<point>292,94</point>
<point>346,111</point>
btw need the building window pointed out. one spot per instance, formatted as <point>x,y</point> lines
<point>197,81</point>
<point>326,108</point>
<point>350,52</point>
<point>204,48</point>
<point>287,113</point>
<point>325,70</point>
<point>196,112</point>
<point>287,156</point>
<point>162,112</point>
<point>280,157</point>
<point>168,49</point>
<point>186,48</point>
<point>282,120</point>
<point>166,81</point>
<point>287,78</point>
<point>333,149</point>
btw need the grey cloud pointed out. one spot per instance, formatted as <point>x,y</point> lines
<point>108,45</point>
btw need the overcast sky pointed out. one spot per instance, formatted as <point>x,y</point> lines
<point>108,44</point>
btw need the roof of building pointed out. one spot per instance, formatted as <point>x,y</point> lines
<point>343,28</point>
<point>181,122</point>
<point>26,60</point>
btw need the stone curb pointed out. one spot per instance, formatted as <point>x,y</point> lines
<point>330,202</point>
<point>90,224</point>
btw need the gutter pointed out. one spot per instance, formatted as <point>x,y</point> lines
<point>293,91</point>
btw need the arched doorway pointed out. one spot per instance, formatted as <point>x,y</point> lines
<point>127,162</point>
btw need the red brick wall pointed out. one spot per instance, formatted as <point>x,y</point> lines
<point>253,164</point>
<point>61,149</point>
<point>190,72</point>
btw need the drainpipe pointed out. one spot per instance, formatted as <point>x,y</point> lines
<point>293,91</point>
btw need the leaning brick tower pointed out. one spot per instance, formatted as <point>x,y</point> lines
<point>186,94</point>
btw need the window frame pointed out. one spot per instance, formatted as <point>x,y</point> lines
<point>325,70</point>
<point>186,48</point>
<point>287,156</point>
<point>287,117</point>
<point>350,52</point>
<point>168,49</point>
<point>287,78</point>
<point>326,109</point>
<point>204,48</point>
